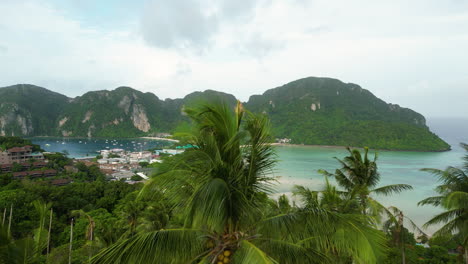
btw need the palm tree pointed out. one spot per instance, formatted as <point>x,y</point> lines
<point>395,225</point>
<point>453,197</point>
<point>15,251</point>
<point>328,198</point>
<point>359,177</point>
<point>131,212</point>
<point>219,187</point>
<point>41,234</point>
<point>338,202</point>
<point>89,229</point>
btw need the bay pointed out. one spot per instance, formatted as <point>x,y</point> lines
<point>299,164</point>
<point>88,147</point>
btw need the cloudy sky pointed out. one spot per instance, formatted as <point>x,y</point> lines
<point>413,53</point>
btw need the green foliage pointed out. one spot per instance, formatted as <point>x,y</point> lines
<point>30,110</point>
<point>220,191</point>
<point>143,164</point>
<point>136,178</point>
<point>359,176</point>
<point>17,167</point>
<point>10,142</point>
<point>453,198</point>
<point>57,160</point>
<point>345,115</point>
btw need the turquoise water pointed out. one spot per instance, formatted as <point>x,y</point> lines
<point>299,164</point>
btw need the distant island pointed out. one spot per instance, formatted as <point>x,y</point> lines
<point>311,111</point>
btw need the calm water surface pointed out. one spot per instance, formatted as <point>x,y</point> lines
<point>88,147</point>
<point>299,164</point>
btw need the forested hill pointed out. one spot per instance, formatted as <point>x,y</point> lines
<point>326,111</point>
<point>319,111</point>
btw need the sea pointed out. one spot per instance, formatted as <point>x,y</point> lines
<point>299,165</point>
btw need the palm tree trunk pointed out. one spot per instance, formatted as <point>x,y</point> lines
<point>91,240</point>
<point>403,257</point>
<point>4,216</point>
<point>466,254</point>
<point>48,236</point>
<point>364,204</point>
<point>400,223</point>
<point>71,242</point>
<point>9,220</point>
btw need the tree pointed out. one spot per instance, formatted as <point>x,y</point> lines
<point>344,207</point>
<point>41,234</point>
<point>219,188</point>
<point>395,225</point>
<point>12,251</point>
<point>453,197</point>
<point>136,178</point>
<point>89,229</point>
<point>329,198</point>
<point>17,167</point>
<point>359,177</point>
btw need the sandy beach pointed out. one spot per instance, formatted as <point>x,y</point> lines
<point>163,139</point>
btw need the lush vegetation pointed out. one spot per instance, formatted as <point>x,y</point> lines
<point>212,204</point>
<point>322,111</point>
<point>318,111</point>
<point>29,110</point>
<point>10,142</point>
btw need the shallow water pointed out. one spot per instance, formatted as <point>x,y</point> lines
<point>299,165</point>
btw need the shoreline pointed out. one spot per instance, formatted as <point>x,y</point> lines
<point>344,147</point>
<point>162,139</point>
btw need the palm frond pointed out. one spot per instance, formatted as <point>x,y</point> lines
<point>390,189</point>
<point>446,216</point>
<point>249,253</point>
<point>209,206</point>
<point>172,246</point>
<point>284,251</point>
<point>435,200</point>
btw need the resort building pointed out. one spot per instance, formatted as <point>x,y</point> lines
<point>19,155</point>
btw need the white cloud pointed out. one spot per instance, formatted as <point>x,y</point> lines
<point>409,53</point>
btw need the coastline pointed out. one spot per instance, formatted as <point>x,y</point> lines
<point>273,144</point>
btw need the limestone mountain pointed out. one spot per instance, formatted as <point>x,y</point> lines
<point>125,112</point>
<point>326,111</point>
<point>29,110</point>
<point>320,111</point>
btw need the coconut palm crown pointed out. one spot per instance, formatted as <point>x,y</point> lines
<point>359,177</point>
<point>453,197</point>
<point>220,188</point>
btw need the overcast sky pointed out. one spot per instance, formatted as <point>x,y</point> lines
<point>412,53</point>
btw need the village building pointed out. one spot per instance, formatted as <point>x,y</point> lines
<point>122,175</point>
<point>60,182</point>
